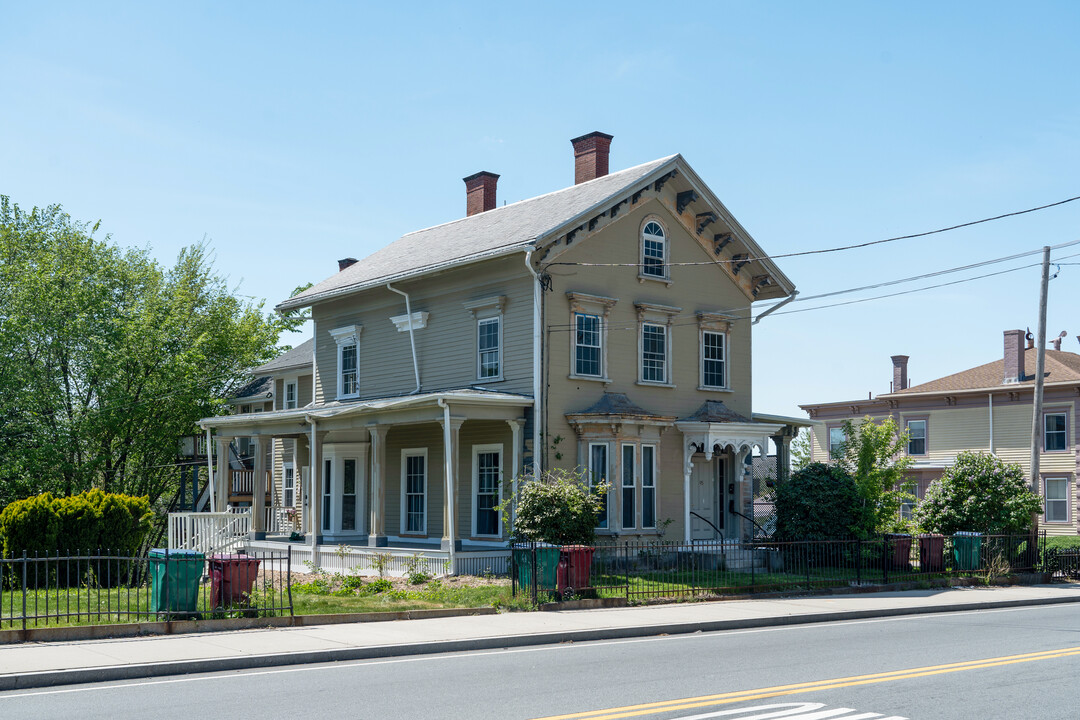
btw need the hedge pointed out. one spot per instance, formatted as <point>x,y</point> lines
<point>87,522</point>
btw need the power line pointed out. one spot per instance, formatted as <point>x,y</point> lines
<point>828,250</point>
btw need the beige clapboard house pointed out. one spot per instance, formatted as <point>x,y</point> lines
<point>986,408</point>
<point>604,326</point>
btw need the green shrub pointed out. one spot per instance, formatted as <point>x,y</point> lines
<point>559,507</point>
<point>31,525</point>
<point>81,523</point>
<point>978,493</point>
<point>820,502</point>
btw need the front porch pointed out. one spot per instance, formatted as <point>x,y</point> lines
<point>397,561</point>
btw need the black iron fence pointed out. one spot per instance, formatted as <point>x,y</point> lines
<point>103,587</point>
<point>644,571</point>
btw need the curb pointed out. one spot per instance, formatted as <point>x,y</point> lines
<point>51,678</point>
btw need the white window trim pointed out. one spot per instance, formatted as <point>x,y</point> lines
<point>285,468</point>
<point>345,336</point>
<point>635,481</point>
<point>641,484</point>
<point>1067,499</point>
<point>599,306</point>
<point>925,436</point>
<point>607,477</point>
<point>336,454</point>
<point>419,321</point>
<point>726,387</point>
<point>480,321</point>
<point>642,276</point>
<point>414,452</point>
<point>295,385</point>
<point>1065,414</point>
<point>477,449</point>
<point>656,315</point>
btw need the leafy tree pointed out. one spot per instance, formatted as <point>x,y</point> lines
<point>800,451</point>
<point>819,502</point>
<point>978,493</point>
<point>107,358</point>
<point>875,455</point>
<point>559,507</point>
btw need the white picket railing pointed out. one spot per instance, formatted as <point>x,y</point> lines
<point>209,532</point>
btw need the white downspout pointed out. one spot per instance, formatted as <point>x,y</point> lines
<point>448,470</point>
<point>538,405</point>
<point>412,338</point>
<point>210,467</point>
<point>777,306</point>
<point>991,397</point>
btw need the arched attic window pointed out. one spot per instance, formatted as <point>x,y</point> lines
<point>653,250</point>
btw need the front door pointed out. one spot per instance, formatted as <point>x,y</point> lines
<point>702,496</point>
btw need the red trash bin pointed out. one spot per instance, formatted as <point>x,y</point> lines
<point>578,565</point>
<point>231,579</point>
<point>932,553</point>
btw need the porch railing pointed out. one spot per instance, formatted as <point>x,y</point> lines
<point>241,482</point>
<point>209,532</point>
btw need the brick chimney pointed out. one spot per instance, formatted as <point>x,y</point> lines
<point>345,262</point>
<point>1014,356</point>
<point>899,373</point>
<point>591,156</point>
<point>480,192</point>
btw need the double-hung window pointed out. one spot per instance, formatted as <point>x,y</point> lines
<point>487,477</point>
<point>648,486</point>
<point>588,346</point>
<point>629,487</point>
<point>836,439</point>
<point>327,493</point>
<point>713,360</point>
<point>1056,499</point>
<point>916,437</point>
<point>1055,434</point>
<point>653,353</point>
<point>289,486</point>
<point>348,494</point>
<point>489,348</point>
<point>414,491</point>
<point>290,395</point>
<point>598,471</point>
<point>347,339</point>
<point>653,250</point>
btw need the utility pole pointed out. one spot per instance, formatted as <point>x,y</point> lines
<point>1037,400</point>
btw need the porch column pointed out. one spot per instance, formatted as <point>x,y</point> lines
<point>688,467</point>
<point>783,455</point>
<point>301,480</point>
<point>377,531</point>
<point>450,464</point>
<point>314,493</point>
<point>258,490</point>
<point>220,491</point>
<point>517,428</point>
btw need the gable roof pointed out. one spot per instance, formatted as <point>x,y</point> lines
<point>1061,367</point>
<point>715,411</point>
<point>617,404</point>
<point>302,356</point>
<point>515,228</point>
<point>258,388</point>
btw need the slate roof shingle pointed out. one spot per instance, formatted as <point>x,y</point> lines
<point>300,356</point>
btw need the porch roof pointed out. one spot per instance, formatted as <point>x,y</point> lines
<point>337,409</point>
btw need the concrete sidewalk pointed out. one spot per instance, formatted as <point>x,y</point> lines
<point>60,663</point>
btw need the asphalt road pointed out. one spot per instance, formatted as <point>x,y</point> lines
<point>1019,663</point>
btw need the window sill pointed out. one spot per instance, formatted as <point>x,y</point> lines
<point>1066,451</point>
<point>590,378</point>
<point>646,383</point>
<point>485,381</point>
<point>653,278</point>
<point>706,388</point>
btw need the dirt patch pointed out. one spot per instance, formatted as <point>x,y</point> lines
<point>279,579</point>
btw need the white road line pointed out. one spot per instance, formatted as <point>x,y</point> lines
<point>331,665</point>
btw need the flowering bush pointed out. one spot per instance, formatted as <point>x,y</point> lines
<point>559,507</point>
<point>978,493</point>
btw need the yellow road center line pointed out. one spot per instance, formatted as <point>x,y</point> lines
<point>779,690</point>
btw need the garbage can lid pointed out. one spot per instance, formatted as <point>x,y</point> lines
<point>163,552</point>
<point>231,556</point>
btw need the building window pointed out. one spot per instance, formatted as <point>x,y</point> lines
<point>487,480</point>
<point>489,348</point>
<point>348,369</point>
<point>289,486</point>
<point>1056,499</point>
<point>347,339</point>
<point>648,486</point>
<point>713,360</point>
<point>414,490</point>
<point>916,437</point>
<point>653,250</point>
<point>629,488</point>
<point>836,439</point>
<point>653,353</point>
<point>598,464</point>
<point>328,467</point>
<point>587,345</point>
<point>1055,435</point>
<point>348,495</point>
<point>290,395</point>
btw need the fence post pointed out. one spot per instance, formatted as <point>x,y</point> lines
<point>24,590</point>
<point>288,577</point>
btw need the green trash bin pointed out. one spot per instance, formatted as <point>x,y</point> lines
<point>966,548</point>
<point>547,565</point>
<point>174,580</point>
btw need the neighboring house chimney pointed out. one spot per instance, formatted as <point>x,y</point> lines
<point>480,192</point>
<point>591,156</point>
<point>899,373</point>
<point>344,263</point>
<point>1014,356</point>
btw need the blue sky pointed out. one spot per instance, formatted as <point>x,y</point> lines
<point>293,135</point>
